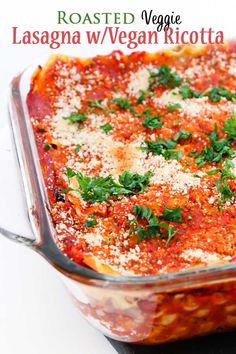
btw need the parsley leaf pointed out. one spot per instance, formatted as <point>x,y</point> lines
<point>106,127</point>
<point>134,181</point>
<point>218,149</point>
<point>142,212</point>
<point>225,171</point>
<point>123,103</point>
<point>166,147</point>
<point>153,227</point>
<point>96,104</point>
<point>221,184</point>
<point>171,233</point>
<point>229,127</point>
<point>143,95</point>
<point>78,147</point>
<point>165,77</point>
<point>215,93</point>
<point>173,107</point>
<point>186,92</point>
<point>94,189</point>
<point>76,117</point>
<point>152,121</point>
<point>182,134</point>
<point>110,111</point>
<point>47,146</point>
<point>91,221</point>
<point>225,191</point>
<point>161,147</point>
<point>172,214</point>
<point>70,173</point>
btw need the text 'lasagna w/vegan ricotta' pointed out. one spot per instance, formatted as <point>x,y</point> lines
<point>138,157</point>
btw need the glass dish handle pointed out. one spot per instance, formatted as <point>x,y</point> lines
<point>14,223</point>
<point>15,237</point>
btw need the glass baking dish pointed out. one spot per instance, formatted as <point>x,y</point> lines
<point>147,310</point>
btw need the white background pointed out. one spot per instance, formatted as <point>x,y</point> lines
<point>36,313</point>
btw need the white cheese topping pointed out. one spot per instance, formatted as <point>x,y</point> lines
<point>204,256</point>
<point>139,81</point>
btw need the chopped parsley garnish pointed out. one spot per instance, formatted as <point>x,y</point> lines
<point>70,173</point>
<point>165,76</point>
<point>162,147</point>
<point>218,149</point>
<point>122,103</point>
<point>143,95</point>
<point>214,93</point>
<point>172,214</point>
<point>229,127</point>
<point>187,92</point>
<point>173,107</point>
<point>182,134</point>
<point>154,227</point>
<point>99,189</point>
<point>166,147</point>
<point>106,127</point>
<point>151,121</point>
<point>222,186</point>
<point>76,117</point>
<point>225,171</point>
<point>91,221</point>
<point>47,146</point>
<point>77,147</point>
<point>110,111</point>
<point>225,191</point>
<point>134,181</point>
<point>95,103</point>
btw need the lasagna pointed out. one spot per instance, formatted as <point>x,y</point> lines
<point>138,157</point>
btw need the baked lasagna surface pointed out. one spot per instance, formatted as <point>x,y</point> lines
<point>138,157</point>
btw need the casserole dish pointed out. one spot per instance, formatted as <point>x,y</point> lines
<point>141,309</point>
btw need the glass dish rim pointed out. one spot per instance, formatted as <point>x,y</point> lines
<point>63,263</point>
